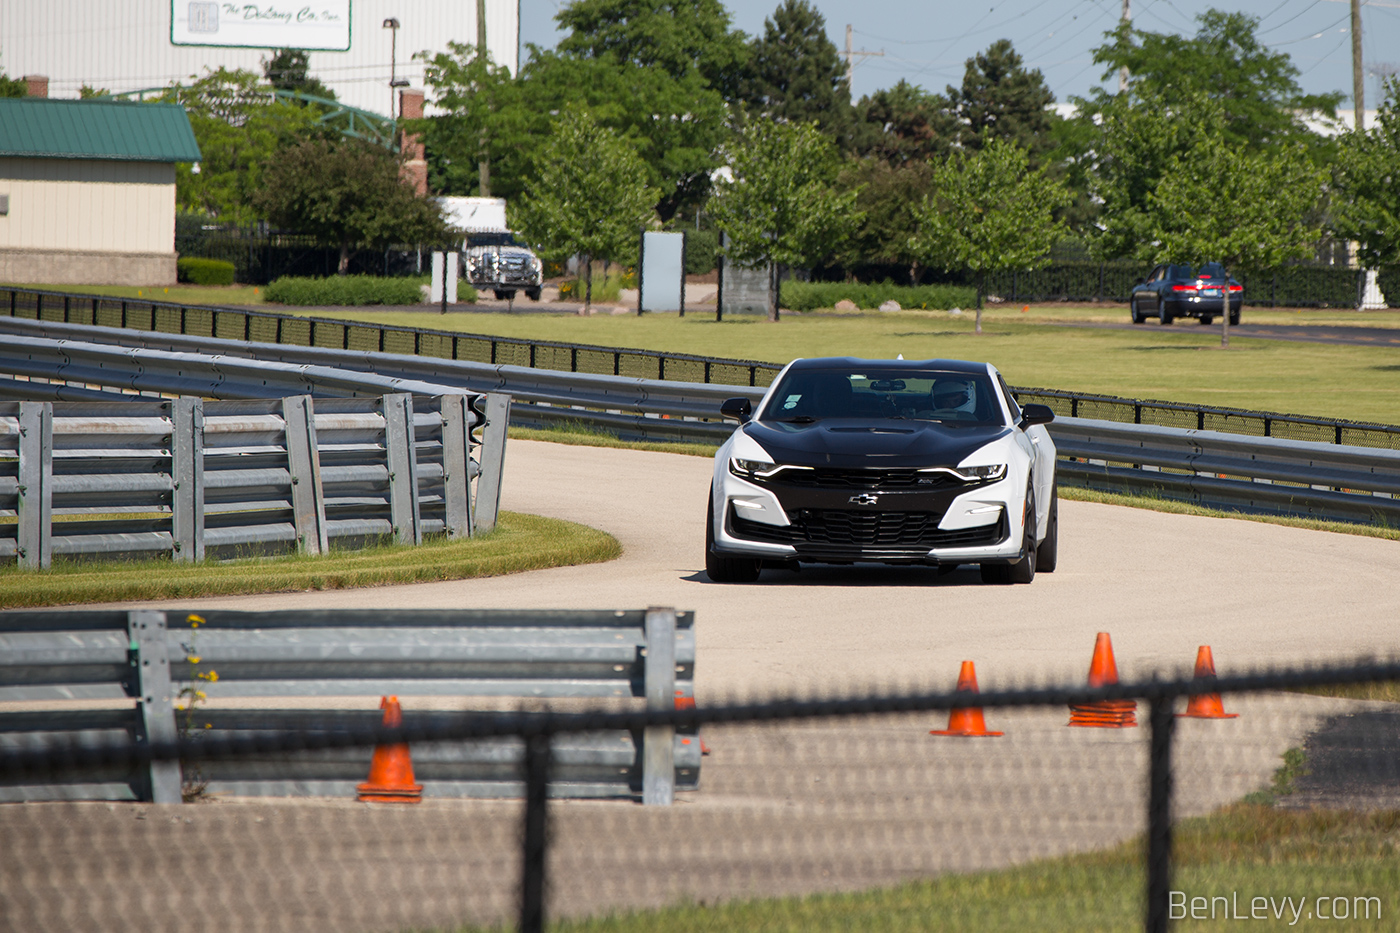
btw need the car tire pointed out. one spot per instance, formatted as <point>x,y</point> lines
<point>1234,318</point>
<point>1163,315</point>
<point>533,294</point>
<point>1206,320</point>
<point>1024,571</point>
<point>719,568</point>
<point>504,294</point>
<point>1047,555</point>
<point>1138,316</point>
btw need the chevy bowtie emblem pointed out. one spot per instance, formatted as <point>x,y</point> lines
<point>865,498</point>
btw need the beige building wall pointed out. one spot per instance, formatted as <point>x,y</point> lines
<point>88,205</point>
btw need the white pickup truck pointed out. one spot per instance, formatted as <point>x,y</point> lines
<point>493,257</point>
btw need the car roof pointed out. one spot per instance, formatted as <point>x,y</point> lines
<point>853,362</point>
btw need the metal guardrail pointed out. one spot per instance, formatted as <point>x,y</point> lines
<point>161,657</point>
<point>241,324</point>
<point>1309,477</point>
<point>194,478</point>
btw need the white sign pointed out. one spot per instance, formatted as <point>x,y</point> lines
<point>319,25</point>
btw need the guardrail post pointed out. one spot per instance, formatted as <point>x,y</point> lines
<point>456,457</point>
<point>187,470</point>
<point>1159,817</point>
<point>304,463</point>
<point>402,459</point>
<point>658,751</point>
<point>492,457</point>
<point>535,838</point>
<point>35,501</point>
<point>150,655</point>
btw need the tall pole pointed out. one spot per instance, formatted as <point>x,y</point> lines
<point>483,164</point>
<point>1126,18</point>
<point>850,57</point>
<point>1358,79</point>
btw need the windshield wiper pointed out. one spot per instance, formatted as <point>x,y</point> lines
<point>797,419</point>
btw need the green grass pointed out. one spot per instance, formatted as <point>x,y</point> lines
<point>1386,691</point>
<point>1245,850</point>
<point>519,542</point>
<point>222,295</point>
<point>1182,363</point>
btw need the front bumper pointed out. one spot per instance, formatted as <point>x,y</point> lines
<point>952,524</point>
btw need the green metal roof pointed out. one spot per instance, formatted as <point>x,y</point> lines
<point>39,128</point>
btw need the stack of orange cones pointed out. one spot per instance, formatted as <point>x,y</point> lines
<point>688,702</point>
<point>391,769</point>
<point>1206,705</point>
<point>1103,714</point>
<point>966,720</point>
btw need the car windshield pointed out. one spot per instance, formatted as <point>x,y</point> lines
<point>807,395</point>
<point>1212,270</point>
<point>1181,272</point>
<point>493,238</point>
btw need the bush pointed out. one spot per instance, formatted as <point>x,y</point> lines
<point>809,296</point>
<point>353,290</point>
<point>1388,278</point>
<point>605,288</point>
<point>198,271</point>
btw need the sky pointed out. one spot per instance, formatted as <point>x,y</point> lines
<point>927,42</point>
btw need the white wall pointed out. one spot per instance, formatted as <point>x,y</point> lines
<point>88,205</point>
<point>124,45</point>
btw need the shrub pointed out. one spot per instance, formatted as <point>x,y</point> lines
<point>1388,278</point>
<point>809,296</point>
<point>606,289</point>
<point>353,290</point>
<point>198,271</point>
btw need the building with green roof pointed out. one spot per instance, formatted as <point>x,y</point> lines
<point>87,190</point>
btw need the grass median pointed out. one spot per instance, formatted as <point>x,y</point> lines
<point>519,542</point>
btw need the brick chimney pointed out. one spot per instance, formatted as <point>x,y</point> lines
<point>38,85</point>
<point>415,166</point>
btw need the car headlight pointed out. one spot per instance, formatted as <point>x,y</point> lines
<point>751,468</point>
<point>987,474</point>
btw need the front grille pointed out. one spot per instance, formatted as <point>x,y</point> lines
<point>873,532</point>
<point>868,479</point>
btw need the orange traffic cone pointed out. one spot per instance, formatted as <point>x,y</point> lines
<point>966,720</point>
<point>391,769</point>
<point>1103,714</point>
<point>1206,705</point>
<point>688,702</point>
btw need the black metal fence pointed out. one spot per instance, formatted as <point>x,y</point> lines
<point>271,327</point>
<point>811,813</point>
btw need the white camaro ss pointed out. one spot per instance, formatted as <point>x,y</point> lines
<point>890,461</point>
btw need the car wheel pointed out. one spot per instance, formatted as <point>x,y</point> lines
<point>723,569</point>
<point>1234,318</point>
<point>1047,555</point>
<point>504,294</point>
<point>1024,572</point>
<point>1206,320</point>
<point>1138,316</point>
<point>1163,314</point>
<point>533,294</point>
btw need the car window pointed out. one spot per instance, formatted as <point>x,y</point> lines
<point>1213,270</point>
<point>1010,399</point>
<point>874,393</point>
<point>1182,272</point>
<point>1157,274</point>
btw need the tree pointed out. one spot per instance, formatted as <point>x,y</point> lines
<point>796,75</point>
<point>905,125</point>
<point>1000,99</point>
<point>346,193</point>
<point>888,198</point>
<point>287,70</point>
<point>1225,61</point>
<point>991,213</point>
<point>239,127</point>
<point>1367,204</point>
<point>590,196</point>
<point>12,87</point>
<point>483,121</point>
<point>780,205</point>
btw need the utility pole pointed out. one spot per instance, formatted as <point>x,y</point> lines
<point>1126,19</point>
<point>483,164</point>
<point>1358,79</point>
<point>851,55</point>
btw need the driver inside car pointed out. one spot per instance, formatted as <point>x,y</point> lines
<point>954,399</point>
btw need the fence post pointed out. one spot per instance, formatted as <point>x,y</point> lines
<point>492,457</point>
<point>35,500</point>
<point>456,460</point>
<point>304,463</point>
<point>658,751</point>
<point>535,841</point>
<point>1159,817</point>
<point>401,455</point>
<point>187,470</point>
<point>150,655</point>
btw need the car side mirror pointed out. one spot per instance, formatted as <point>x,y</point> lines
<point>737,409</point>
<point>1036,414</point>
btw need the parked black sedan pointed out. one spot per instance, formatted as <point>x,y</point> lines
<point>1174,291</point>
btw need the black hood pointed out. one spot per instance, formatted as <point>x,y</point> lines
<point>854,443</point>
